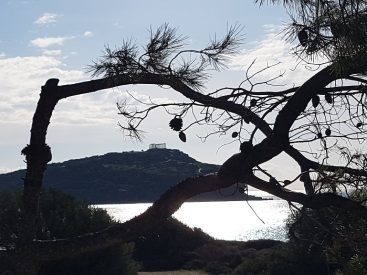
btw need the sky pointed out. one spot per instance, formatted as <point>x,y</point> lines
<point>59,39</point>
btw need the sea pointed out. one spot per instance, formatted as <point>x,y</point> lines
<point>230,220</point>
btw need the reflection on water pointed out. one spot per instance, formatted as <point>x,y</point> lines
<point>222,220</point>
<point>235,220</point>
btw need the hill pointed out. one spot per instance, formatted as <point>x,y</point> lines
<point>127,177</point>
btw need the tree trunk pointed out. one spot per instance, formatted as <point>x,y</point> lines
<point>38,154</point>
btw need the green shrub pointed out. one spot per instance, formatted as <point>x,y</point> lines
<point>113,260</point>
<point>61,216</point>
<point>282,261</point>
<point>167,247</point>
<point>337,236</point>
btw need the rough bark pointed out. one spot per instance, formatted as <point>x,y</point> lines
<point>37,154</point>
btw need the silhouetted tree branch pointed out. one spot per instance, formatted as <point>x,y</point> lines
<point>283,118</point>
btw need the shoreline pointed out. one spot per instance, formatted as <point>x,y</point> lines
<point>190,200</point>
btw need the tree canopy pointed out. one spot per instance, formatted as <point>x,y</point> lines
<point>326,112</point>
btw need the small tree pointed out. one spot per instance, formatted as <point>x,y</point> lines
<point>325,108</point>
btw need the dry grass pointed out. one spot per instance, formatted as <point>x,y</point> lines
<point>177,272</point>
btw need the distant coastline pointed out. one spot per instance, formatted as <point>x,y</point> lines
<point>240,197</point>
<point>126,177</point>
<point>199,198</point>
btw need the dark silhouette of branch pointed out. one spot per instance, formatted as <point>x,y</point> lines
<point>157,65</point>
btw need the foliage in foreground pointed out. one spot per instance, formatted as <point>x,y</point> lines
<point>168,247</point>
<point>336,236</point>
<point>61,216</point>
<point>280,261</point>
<point>321,241</point>
<point>113,260</point>
<point>173,245</point>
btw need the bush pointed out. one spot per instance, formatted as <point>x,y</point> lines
<point>9,217</point>
<point>335,235</point>
<point>61,216</point>
<point>167,247</point>
<point>222,257</point>
<point>323,241</point>
<point>113,260</point>
<point>282,261</point>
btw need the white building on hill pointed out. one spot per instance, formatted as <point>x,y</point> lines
<point>157,146</point>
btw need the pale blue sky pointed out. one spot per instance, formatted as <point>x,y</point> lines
<point>46,39</point>
<point>112,21</point>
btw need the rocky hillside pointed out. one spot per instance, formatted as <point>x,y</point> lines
<point>127,177</point>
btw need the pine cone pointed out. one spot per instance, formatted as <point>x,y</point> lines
<point>303,37</point>
<point>176,124</point>
<point>182,136</point>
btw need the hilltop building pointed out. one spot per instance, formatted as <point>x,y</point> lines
<point>157,146</point>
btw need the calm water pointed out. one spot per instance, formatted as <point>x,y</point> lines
<point>222,220</point>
